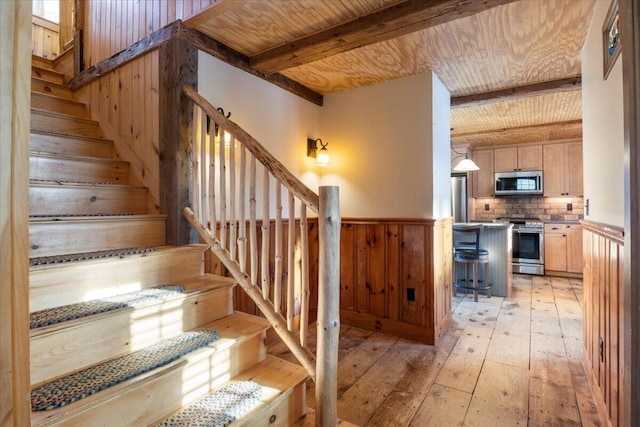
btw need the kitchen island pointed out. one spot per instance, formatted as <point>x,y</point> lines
<point>496,238</point>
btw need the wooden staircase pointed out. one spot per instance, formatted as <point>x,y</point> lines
<point>82,201</point>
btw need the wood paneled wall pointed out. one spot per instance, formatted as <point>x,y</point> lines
<point>111,26</point>
<point>395,276</point>
<point>45,38</point>
<point>603,249</point>
<point>125,102</point>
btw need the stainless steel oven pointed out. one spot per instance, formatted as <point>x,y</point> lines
<point>528,245</point>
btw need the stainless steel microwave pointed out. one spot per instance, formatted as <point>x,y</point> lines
<point>518,183</point>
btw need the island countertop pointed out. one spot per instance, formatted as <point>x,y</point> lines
<point>496,238</point>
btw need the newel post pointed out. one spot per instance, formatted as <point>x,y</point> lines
<point>328,308</point>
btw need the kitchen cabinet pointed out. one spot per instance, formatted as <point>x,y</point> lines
<point>563,248</point>
<point>562,166</point>
<point>518,158</point>
<point>483,179</point>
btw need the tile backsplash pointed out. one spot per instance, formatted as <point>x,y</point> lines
<point>545,208</point>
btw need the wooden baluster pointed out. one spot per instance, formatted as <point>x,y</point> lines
<point>212,178</point>
<point>223,190</point>
<point>253,232</point>
<point>304,293</point>
<point>291,248</point>
<point>277,280</point>
<point>204,167</point>
<point>242,232</point>
<point>266,226</point>
<point>197,112</point>
<point>232,199</point>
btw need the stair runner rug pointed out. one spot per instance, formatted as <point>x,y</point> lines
<point>88,255</point>
<point>87,382</point>
<point>219,409</point>
<point>52,316</point>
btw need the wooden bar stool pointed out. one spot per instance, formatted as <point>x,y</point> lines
<point>466,251</point>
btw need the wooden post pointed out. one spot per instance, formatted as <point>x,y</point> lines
<point>328,308</point>
<point>178,67</point>
<point>630,37</point>
<point>78,43</point>
<point>15,73</point>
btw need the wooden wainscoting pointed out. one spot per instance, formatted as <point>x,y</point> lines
<point>45,38</point>
<point>603,249</point>
<point>110,27</point>
<point>126,103</point>
<point>395,276</point>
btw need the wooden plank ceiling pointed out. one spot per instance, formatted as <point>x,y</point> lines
<point>512,67</point>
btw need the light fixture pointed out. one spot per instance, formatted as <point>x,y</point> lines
<point>464,165</point>
<point>320,154</point>
<point>216,128</point>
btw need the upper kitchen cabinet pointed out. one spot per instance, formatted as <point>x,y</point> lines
<point>511,159</point>
<point>562,168</point>
<point>483,179</point>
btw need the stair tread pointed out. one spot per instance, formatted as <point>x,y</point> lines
<point>73,184</point>
<point>48,96</point>
<point>60,85</point>
<point>49,70</point>
<point>157,295</point>
<point>232,330</point>
<point>274,375</point>
<point>94,218</point>
<point>44,112</point>
<point>160,251</point>
<point>48,63</point>
<point>72,157</point>
<point>58,134</point>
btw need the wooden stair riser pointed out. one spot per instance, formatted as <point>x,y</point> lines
<point>47,74</point>
<point>145,399</point>
<point>59,168</point>
<point>44,102</point>
<point>49,88</point>
<point>70,146</point>
<point>49,284</point>
<point>289,408</point>
<point>48,238</point>
<point>43,121</point>
<point>77,199</point>
<point>41,62</point>
<point>94,340</point>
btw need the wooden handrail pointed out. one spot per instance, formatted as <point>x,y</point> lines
<point>306,358</point>
<point>277,169</point>
<point>219,202</point>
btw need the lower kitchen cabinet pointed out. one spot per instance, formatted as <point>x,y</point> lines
<point>563,248</point>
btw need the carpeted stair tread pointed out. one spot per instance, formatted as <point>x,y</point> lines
<point>82,215</point>
<point>88,255</point>
<point>219,409</point>
<point>87,382</point>
<point>79,310</point>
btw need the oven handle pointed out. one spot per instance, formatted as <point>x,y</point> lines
<point>528,230</point>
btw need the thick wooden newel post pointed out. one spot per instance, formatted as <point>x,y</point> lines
<point>328,308</point>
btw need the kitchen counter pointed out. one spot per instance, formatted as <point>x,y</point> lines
<point>496,238</point>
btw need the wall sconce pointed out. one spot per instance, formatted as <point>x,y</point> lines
<point>227,135</point>
<point>466,164</point>
<point>320,154</point>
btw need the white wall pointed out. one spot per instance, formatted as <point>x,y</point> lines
<point>380,143</point>
<point>379,138</point>
<point>276,118</point>
<point>603,129</point>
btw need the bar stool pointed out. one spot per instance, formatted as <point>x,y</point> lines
<point>466,247</point>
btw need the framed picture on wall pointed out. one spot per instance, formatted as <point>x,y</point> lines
<point>611,38</point>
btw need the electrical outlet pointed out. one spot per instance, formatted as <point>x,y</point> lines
<point>486,206</point>
<point>601,350</point>
<point>586,207</point>
<point>569,207</point>
<point>411,294</point>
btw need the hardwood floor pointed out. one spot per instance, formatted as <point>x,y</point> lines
<point>503,362</point>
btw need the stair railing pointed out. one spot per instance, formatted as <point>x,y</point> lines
<point>276,278</point>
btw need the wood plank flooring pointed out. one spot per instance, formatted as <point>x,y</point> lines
<point>503,362</point>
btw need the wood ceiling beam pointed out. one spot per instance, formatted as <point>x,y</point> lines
<point>391,22</point>
<point>518,92</point>
<point>549,127</point>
